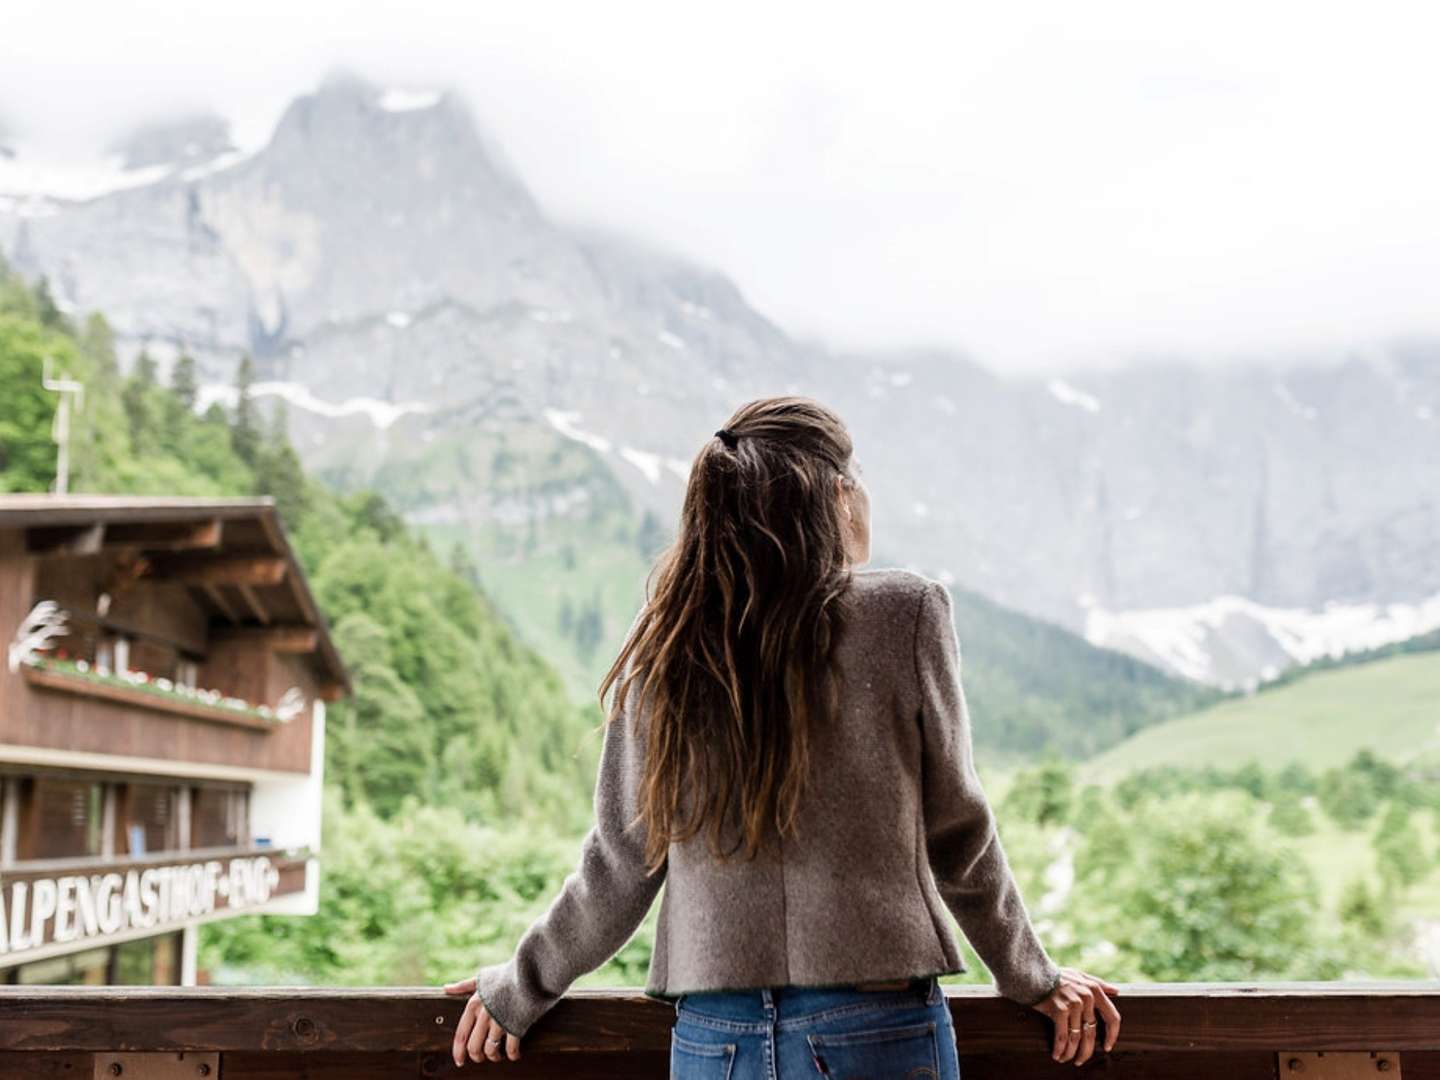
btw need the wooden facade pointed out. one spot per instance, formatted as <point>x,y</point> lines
<point>161,708</point>
<point>1265,1031</point>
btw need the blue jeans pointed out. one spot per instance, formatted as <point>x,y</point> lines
<point>791,1031</point>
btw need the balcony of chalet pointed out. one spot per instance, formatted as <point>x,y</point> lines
<point>1224,1031</point>
<point>123,609</point>
<point>162,716</point>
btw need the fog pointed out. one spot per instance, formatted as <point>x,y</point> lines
<point>1042,185</point>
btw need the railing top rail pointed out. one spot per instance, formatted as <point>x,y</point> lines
<point>1199,1017</point>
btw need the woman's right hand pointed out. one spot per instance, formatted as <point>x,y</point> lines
<point>1072,1005</point>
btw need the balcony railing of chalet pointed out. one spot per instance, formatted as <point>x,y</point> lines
<point>1176,1031</point>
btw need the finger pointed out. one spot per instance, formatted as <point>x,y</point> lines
<point>512,1047</point>
<point>1063,1023</point>
<point>1073,1021</point>
<point>462,1032</point>
<point>1072,1033</point>
<point>494,1040</point>
<point>1087,1032</point>
<point>464,986</point>
<point>1112,1022</point>
<point>475,1045</point>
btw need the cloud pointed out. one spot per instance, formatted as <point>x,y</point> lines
<point>1043,184</point>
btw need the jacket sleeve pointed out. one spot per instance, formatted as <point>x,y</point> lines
<point>600,904</point>
<point>965,853</point>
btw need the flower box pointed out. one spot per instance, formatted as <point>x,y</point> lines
<point>142,692</point>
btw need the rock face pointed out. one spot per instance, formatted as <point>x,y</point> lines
<point>398,284</point>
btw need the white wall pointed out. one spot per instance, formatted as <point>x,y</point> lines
<point>288,812</point>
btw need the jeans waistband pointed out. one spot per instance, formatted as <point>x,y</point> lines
<point>781,1006</point>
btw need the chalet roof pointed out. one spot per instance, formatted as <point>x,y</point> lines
<point>231,553</point>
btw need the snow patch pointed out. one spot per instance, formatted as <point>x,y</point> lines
<point>696,311</point>
<point>218,164</point>
<point>900,378</point>
<point>74,177</point>
<point>545,315</point>
<point>399,319</point>
<point>564,421</point>
<point>409,100</point>
<point>920,509</point>
<point>665,337</point>
<point>679,467</point>
<point>1185,639</point>
<point>647,463</point>
<point>380,413</point>
<point>1424,412</point>
<point>1067,394</point>
<point>1294,404</point>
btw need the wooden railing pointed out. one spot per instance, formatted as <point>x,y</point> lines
<point>1226,1031</point>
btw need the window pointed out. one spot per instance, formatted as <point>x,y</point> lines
<point>150,961</point>
<point>88,968</point>
<point>60,817</point>
<point>149,820</point>
<point>219,817</point>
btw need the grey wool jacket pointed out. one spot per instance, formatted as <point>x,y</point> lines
<point>894,836</point>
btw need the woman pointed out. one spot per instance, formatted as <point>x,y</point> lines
<point>796,767</point>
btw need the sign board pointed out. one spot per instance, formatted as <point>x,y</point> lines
<point>90,904</point>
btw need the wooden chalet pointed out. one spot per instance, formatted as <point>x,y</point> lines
<point>162,731</point>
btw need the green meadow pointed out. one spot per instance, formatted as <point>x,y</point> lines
<point>1390,706</point>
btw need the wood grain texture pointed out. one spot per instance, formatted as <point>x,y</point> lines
<point>345,1066</point>
<point>144,699</point>
<point>1184,1021</point>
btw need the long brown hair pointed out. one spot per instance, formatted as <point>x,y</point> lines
<point>733,649</point>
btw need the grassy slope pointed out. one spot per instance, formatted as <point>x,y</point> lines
<point>1391,706</point>
<point>531,592</point>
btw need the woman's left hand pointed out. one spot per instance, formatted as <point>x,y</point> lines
<point>479,1034</point>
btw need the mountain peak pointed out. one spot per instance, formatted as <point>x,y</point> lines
<point>350,127</point>
<point>348,87</point>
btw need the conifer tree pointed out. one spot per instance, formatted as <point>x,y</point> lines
<point>145,369</point>
<point>138,404</point>
<point>97,342</point>
<point>245,428</point>
<point>49,312</point>
<point>182,381</point>
<point>278,472</point>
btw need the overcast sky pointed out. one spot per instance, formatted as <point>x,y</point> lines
<point>1043,185</point>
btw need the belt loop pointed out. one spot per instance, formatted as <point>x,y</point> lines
<point>767,999</point>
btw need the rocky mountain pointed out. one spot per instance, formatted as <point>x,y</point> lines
<point>399,286</point>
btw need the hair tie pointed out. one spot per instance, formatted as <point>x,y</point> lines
<point>728,437</point>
